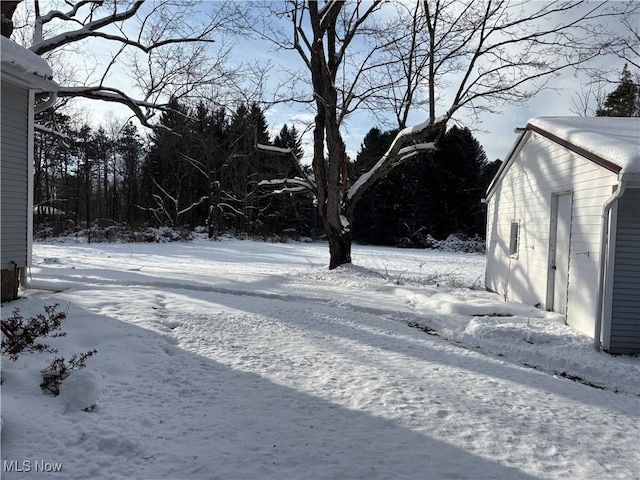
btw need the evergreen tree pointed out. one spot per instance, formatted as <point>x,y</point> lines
<point>83,151</point>
<point>51,172</point>
<point>376,217</point>
<point>166,174</point>
<point>102,147</point>
<point>131,150</point>
<point>290,138</point>
<point>241,206</point>
<point>211,155</point>
<point>287,214</point>
<point>456,185</point>
<point>624,101</point>
<point>430,195</point>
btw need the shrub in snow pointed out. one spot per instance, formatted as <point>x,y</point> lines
<point>109,231</point>
<point>461,243</point>
<point>60,369</point>
<point>418,239</point>
<point>159,235</point>
<point>81,390</point>
<point>453,243</point>
<point>20,335</point>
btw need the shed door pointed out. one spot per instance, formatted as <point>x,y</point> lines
<point>559,251</point>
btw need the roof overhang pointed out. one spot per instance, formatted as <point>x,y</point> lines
<point>16,75</point>
<point>22,67</point>
<point>523,135</point>
<point>583,133</point>
<point>597,159</point>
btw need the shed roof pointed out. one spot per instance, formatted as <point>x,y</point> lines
<point>613,140</point>
<point>24,67</point>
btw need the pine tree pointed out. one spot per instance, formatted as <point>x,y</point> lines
<point>436,194</point>
<point>458,186</point>
<point>83,149</point>
<point>165,172</point>
<point>211,155</point>
<point>376,216</point>
<point>103,147</point>
<point>241,207</point>
<point>289,138</point>
<point>288,214</point>
<point>130,149</point>
<point>51,173</point>
<point>624,101</point>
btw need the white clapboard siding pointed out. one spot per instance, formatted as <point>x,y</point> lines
<point>14,175</point>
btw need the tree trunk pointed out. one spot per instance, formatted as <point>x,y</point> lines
<point>338,223</point>
<point>339,247</point>
<point>7,9</point>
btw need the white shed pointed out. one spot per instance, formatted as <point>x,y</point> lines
<point>23,75</point>
<point>563,225</point>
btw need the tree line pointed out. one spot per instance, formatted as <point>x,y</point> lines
<point>204,169</point>
<point>201,169</point>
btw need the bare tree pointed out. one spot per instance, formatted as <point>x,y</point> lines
<point>339,65</point>
<point>451,55</point>
<point>169,48</point>
<point>631,42</point>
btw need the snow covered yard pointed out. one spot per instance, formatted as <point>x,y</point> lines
<point>244,360</point>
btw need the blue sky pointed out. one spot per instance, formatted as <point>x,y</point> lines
<point>495,131</point>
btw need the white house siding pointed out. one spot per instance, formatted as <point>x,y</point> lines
<point>14,175</point>
<point>540,169</point>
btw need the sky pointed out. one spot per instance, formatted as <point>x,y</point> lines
<point>494,131</point>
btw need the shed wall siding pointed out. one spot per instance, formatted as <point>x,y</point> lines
<point>625,308</point>
<point>540,169</point>
<point>14,175</point>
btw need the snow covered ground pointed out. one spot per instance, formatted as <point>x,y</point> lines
<point>245,360</point>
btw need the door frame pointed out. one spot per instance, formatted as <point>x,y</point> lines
<point>553,233</point>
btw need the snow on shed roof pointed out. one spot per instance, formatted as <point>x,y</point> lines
<point>23,62</point>
<point>612,139</point>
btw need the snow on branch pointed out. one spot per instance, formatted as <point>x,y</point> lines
<point>291,185</point>
<point>297,184</point>
<point>395,155</point>
<point>271,148</point>
<point>413,150</point>
<point>109,94</point>
<point>51,131</point>
<point>193,205</point>
<point>41,46</point>
<point>232,208</point>
<point>70,14</point>
<point>166,194</point>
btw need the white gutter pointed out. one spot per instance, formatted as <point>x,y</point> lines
<point>41,107</point>
<point>604,251</point>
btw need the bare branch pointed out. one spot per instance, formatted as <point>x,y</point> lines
<point>108,94</point>
<point>41,46</point>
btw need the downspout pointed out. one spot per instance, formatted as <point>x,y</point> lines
<point>604,252</point>
<point>41,107</point>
